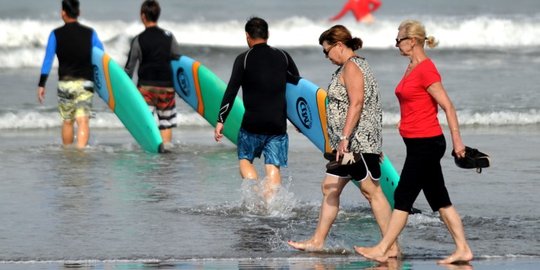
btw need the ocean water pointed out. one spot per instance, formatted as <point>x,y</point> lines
<point>114,206</point>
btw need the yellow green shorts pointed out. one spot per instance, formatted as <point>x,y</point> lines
<point>75,98</point>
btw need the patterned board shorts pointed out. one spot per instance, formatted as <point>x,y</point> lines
<point>75,98</point>
<point>162,103</point>
<point>273,147</point>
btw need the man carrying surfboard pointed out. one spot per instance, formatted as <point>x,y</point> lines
<point>262,72</point>
<point>154,48</point>
<point>72,44</point>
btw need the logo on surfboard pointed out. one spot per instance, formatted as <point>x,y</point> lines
<point>183,81</point>
<point>97,79</point>
<point>304,112</point>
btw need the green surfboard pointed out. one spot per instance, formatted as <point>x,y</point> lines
<point>116,88</point>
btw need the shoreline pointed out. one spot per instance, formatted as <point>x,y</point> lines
<point>314,262</point>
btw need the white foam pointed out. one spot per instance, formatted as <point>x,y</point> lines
<point>22,40</point>
<point>107,120</point>
<point>469,118</point>
<point>471,32</point>
<point>531,117</point>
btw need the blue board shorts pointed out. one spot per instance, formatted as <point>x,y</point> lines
<point>273,147</point>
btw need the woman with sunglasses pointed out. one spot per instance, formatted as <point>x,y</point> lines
<point>420,92</point>
<point>354,118</point>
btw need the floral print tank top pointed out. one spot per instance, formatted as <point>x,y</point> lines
<point>367,135</point>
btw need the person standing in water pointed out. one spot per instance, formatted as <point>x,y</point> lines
<point>262,72</point>
<point>354,117</point>
<point>361,9</point>
<point>72,44</point>
<point>154,49</point>
<point>419,93</point>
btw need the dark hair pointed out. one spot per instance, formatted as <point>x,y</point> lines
<point>257,28</point>
<point>151,10</point>
<point>71,8</point>
<point>339,33</point>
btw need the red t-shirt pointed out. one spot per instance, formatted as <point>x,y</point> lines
<point>418,109</point>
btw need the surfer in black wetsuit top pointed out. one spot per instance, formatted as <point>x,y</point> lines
<point>262,72</point>
<point>72,44</point>
<point>154,49</point>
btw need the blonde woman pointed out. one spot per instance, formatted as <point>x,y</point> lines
<point>420,93</point>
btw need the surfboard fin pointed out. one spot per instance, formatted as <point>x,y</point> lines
<point>161,149</point>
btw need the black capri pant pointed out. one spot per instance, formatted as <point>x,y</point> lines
<point>422,171</point>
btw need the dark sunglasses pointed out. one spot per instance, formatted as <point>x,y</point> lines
<point>399,40</point>
<point>326,52</point>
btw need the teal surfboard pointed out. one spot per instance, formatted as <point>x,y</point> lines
<point>116,88</point>
<point>306,109</point>
<point>203,91</point>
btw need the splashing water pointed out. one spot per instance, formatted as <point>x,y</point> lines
<point>256,202</point>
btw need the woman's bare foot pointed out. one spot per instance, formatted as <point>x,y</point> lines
<point>394,251</point>
<point>308,245</point>
<point>391,264</point>
<point>458,257</point>
<point>372,253</point>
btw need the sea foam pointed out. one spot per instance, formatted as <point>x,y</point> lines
<point>22,41</point>
<point>107,120</point>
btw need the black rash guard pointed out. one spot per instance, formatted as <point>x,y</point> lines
<point>72,44</point>
<point>262,72</point>
<point>154,48</point>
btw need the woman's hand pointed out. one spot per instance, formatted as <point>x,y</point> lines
<point>343,148</point>
<point>459,149</point>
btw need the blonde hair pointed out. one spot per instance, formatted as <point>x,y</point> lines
<point>416,30</point>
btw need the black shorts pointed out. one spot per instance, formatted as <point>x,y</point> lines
<point>361,169</point>
<point>422,171</point>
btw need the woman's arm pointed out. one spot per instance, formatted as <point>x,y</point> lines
<point>437,91</point>
<point>353,79</point>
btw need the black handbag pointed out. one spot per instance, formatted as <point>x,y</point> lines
<point>473,159</point>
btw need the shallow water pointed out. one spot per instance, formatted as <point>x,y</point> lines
<point>113,206</point>
<point>114,202</point>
